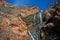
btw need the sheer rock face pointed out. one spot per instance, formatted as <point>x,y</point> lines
<point>27,10</point>
<point>53,25</point>
<point>11,26</point>
<point>6,4</point>
<point>23,10</point>
<point>52,9</point>
<point>19,28</point>
<point>13,29</point>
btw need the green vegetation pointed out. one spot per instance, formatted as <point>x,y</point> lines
<point>28,19</point>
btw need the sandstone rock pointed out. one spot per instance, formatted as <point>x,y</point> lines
<point>27,10</point>
<point>52,8</point>
<point>15,27</point>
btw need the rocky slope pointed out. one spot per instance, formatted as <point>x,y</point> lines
<point>11,26</point>
<point>52,26</point>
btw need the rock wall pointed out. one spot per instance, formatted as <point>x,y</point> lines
<point>13,29</point>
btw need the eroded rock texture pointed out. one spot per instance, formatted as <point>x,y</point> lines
<point>11,26</point>
<point>13,29</point>
<point>52,25</point>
